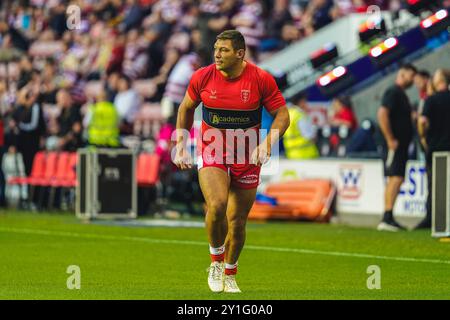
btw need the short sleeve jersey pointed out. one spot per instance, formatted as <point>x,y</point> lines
<point>437,110</point>
<point>397,102</point>
<point>234,103</point>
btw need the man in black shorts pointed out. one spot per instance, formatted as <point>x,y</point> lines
<point>394,118</point>
<point>434,130</point>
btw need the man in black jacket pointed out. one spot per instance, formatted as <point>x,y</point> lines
<point>434,130</point>
<point>395,120</point>
<point>14,37</point>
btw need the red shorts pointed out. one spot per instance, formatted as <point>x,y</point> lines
<point>243,176</point>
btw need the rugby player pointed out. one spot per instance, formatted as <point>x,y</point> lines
<point>232,92</point>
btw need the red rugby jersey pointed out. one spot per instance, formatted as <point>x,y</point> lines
<point>234,103</point>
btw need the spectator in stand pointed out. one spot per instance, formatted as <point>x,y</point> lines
<point>112,86</point>
<point>102,123</point>
<point>317,14</point>
<point>281,28</point>
<point>342,8</point>
<point>342,113</point>
<point>299,138</point>
<point>421,81</point>
<point>127,103</point>
<point>395,120</point>
<point>6,103</point>
<point>2,176</point>
<point>25,71</point>
<point>290,34</point>
<point>249,22</point>
<point>162,41</point>
<point>57,20</point>
<point>28,119</point>
<point>178,81</point>
<point>164,146</point>
<point>135,59</point>
<point>13,38</point>
<point>362,142</point>
<point>158,27</point>
<point>104,53</point>
<point>222,20</point>
<point>50,81</point>
<point>117,53</point>
<point>218,15</point>
<point>133,15</point>
<point>12,166</point>
<point>208,10</point>
<point>69,122</point>
<point>160,80</point>
<point>434,130</point>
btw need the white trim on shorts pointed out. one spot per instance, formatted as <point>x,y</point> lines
<point>200,164</point>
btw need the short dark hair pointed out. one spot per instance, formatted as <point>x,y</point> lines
<point>424,74</point>
<point>346,101</point>
<point>237,39</point>
<point>409,66</point>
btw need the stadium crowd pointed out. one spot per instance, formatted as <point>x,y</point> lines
<point>132,54</point>
<point>134,58</point>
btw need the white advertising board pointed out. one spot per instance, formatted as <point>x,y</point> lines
<point>360,183</point>
<point>412,198</point>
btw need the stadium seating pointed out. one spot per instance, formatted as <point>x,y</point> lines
<point>69,180</point>
<point>48,173</point>
<point>50,169</point>
<point>147,169</point>
<point>61,168</point>
<point>37,170</point>
<point>65,175</point>
<point>308,199</point>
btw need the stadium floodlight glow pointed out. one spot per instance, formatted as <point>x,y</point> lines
<point>434,19</point>
<point>435,24</point>
<point>383,47</point>
<point>323,81</point>
<point>370,28</point>
<point>386,52</point>
<point>324,55</point>
<point>370,24</point>
<point>335,81</point>
<point>332,76</point>
<point>339,71</point>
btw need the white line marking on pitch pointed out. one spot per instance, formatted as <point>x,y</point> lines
<point>203,244</point>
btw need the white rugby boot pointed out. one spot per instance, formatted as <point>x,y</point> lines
<point>230,284</point>
<point>215,276</point>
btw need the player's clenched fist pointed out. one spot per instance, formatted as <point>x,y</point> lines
<point>261,154</point>
<point>182,159</point>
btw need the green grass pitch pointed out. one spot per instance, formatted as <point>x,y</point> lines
<point>280,261</point>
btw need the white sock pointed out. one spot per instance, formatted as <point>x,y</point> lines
<point>216,251</point>
<point>231,266</point>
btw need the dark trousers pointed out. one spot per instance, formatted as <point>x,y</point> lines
<point>429,167</point>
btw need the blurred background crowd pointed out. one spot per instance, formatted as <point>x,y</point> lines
<point>134,58</point>
<point>136,51</point>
